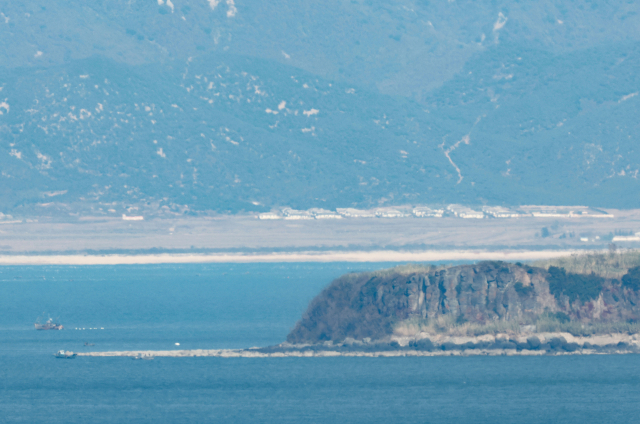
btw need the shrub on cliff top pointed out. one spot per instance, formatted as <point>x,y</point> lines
<point>632,279</point>
<point>561,317</point>
<point>422,344</point>
<point>557,342</point>
<point>533,342</point>
<point>574,286</point>
<point>608,265</point>
<point>523,290</point>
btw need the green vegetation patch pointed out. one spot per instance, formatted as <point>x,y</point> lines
<point>546,323</point>
<point>560,317</point>
<point>574,286</point>
<point>523,290</point>
<point>607,265</point>
<point>632,279</point>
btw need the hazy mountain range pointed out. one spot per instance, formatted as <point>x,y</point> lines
<point>231,105</point>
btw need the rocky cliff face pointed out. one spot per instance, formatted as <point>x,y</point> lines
<point>373,304</point>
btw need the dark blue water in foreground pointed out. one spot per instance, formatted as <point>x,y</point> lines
<point>234,306</point>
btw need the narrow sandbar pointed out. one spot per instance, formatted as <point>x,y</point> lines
<point>618,343</point>
<point>322,256</point>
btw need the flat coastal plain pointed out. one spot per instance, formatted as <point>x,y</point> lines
<point>244,238</point>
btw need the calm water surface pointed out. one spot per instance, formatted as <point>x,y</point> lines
<point>235,306</point>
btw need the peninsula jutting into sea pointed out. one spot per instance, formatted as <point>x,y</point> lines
<point>578,305</point>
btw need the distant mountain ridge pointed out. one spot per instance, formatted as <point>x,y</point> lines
<point>191,106</point>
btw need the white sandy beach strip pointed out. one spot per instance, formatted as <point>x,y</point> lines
<point>632,342</point>
<point>325,256</point>
<point>227,353</point>
<point>324,354</point>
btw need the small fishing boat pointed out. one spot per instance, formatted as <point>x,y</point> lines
<point>61,354</point>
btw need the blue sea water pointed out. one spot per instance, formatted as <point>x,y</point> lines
<point>237,306</point>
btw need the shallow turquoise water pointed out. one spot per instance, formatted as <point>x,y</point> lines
<point>234,306</point>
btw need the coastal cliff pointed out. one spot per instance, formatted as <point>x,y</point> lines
<point>469,300</point>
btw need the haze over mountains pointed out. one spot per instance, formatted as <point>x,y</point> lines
<point>228,106</point>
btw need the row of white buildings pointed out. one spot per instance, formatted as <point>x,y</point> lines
<point>458,211</point>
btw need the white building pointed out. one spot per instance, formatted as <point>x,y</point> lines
<point>548,211</point>
<point>295,214</point>
<point>425,212</point>
<point>500,212</point>
<point>269,215</point>
<point>389,213</point>
<point>565,212</point>
<point>590,213</point>
<point>324,214</point>
<point>626,238</point>
<point>355,213</point>
<point>298,216</point>
<point>465,212</point>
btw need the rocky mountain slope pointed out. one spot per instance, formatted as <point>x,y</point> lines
<point>197,105</point>
<point>480,297</point>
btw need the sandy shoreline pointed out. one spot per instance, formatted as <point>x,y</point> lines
<point>228,353</point>
<point>325,256</point>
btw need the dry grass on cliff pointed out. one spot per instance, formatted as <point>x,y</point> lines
<point>607,265</point>
<point>448,325</point>
<point>543,324</point>
<point>407,269</point>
